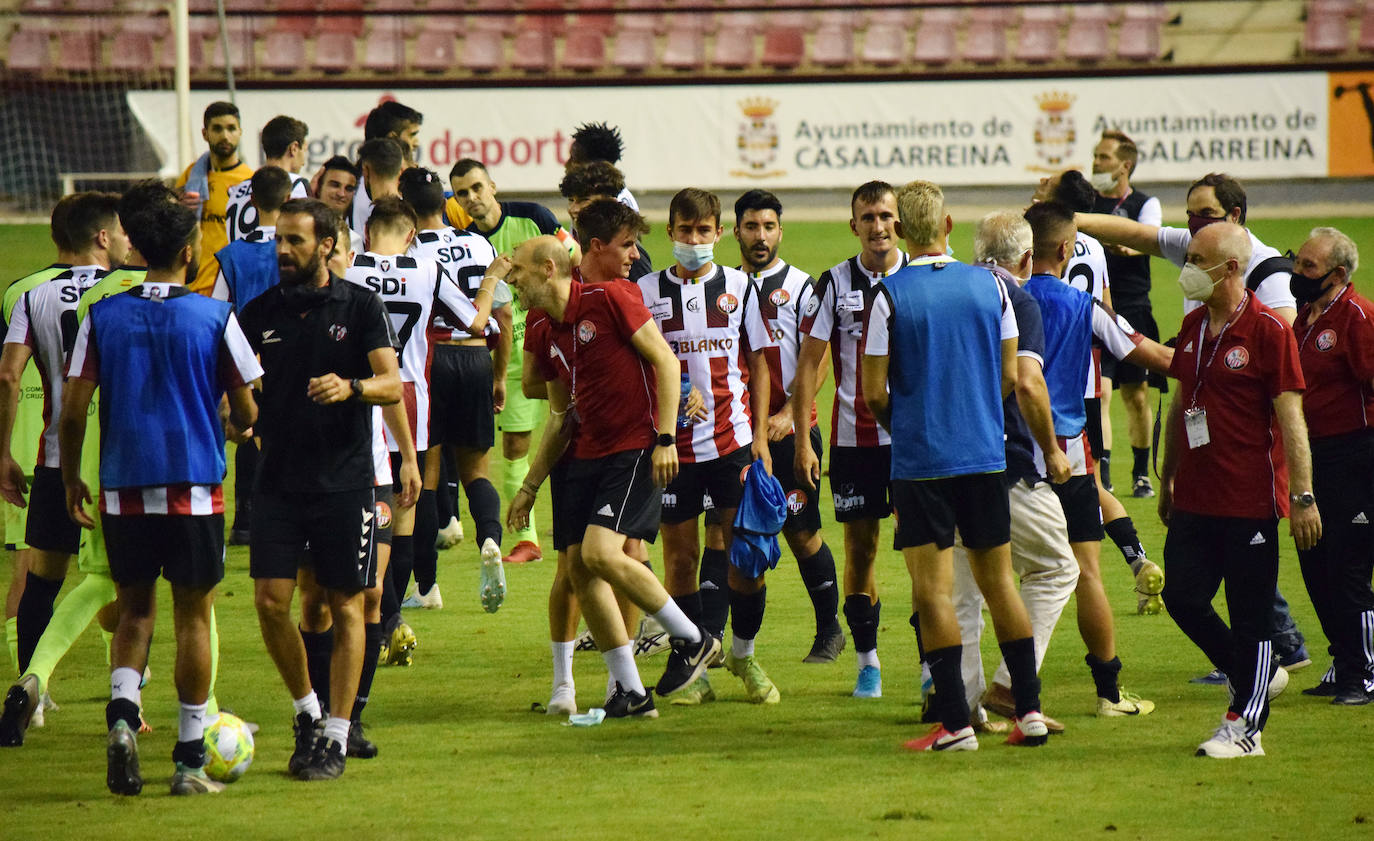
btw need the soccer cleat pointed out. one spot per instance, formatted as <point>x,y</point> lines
<point>1149,584</point>
<point>21,702</point>
<point>1142,489</point>
<point>826,647</point>
<point>493,582</point>
<point>941,739</point>
<point>699,692</point>
<point>401,649</point>
<point>869,683</point>
<point>1295,660</point>
<point>1128,705</point>
<point>430,600</point>
<point>1231,740</point>
<point>756,683</point>
<point>998,699</point>
<point>326,761</point>
<point>525,552</point>
<point>193,781</point>
<point>649,643</point>
<point>1029,730</point>
<point>304,729</point>
<point>563,701</point>
<point>359,746</point>
<point>384,652</point>
<point>1215,677</point>
<point>688,661</point>
<point>623,704</point>
<point>450,535</point>
<point>121,758</point>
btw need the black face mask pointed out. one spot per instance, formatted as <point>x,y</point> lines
<point>1307,289</point>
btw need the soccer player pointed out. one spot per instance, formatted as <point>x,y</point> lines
<point>784,293</point>
<point>860,448</point>
<point>711,317</point>
<point>396,122</point>
<point>283,144</point>
<point>205,185</point>
<point>338,182</point>
<point>942,336</point>
<point>462,418</point>
<point>316,477</point>
<point>42,327</point>
<point>599,143</point>
<point>608,364</point>
<point>589,182</point>
<point>507,224</point>
<point>380,162</point>
<point>164,360</point>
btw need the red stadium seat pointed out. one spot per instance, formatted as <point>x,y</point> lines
<point>834,45</point>
<point>884,18</point>
<point>783,47</point>
<point>885,46</point>
<point>1037,38</point>
<point>284,52</point>
<point>36,8</point>
<point>384,51</point>
<point>1088,35</point>
<point>642,14</point>
<point>985,39</point>
<point>584,48</point>
<point>634,50</point>
<point>335,52</point>
<point>1366,39</point>
<point>533,51</point>
<point>79,51</point>
<point>483,50</point>
<point>28,51</point>
<point>156,25</point>
<point>1327,32</point>
<point>1138,38</point>
<point>935,38</point>
<point>167,53</point>
<point>434,51</point>
<point>240,49</point>
<point>294,15</point>
<point>733,48</point>
<point>132,52</point>
<point>546,15</point>
<point>685,49</point>
<point>340,19</point>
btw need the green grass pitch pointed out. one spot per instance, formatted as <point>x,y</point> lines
<point>462,755</point>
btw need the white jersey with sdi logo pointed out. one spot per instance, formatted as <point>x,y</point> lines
<point>709,323</point>
<point>1087,272</point>
<point>465,257</point>
<point>412,291</point>
<point>784,292</point>
<point>241,217</point>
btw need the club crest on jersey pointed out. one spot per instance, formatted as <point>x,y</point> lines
<point>586,331</point>
<point>338,332</point>
<point>796,501</point>
<point>1237,358</point>
<point>385,265</point>
<point>779,297</point>
<point>1326,340</point>
<point>383,515</point>
<point>727,303</point>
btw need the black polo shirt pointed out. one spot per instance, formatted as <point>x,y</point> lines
<point>305,446</point>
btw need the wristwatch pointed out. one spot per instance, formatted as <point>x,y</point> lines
<point>356,385</point>
<point>1305,499</point>
<point>666,439</point>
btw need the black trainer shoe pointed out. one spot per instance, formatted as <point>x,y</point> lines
<point>687,661</point>
<point>1324,689</point>
<point>20,702</point>
<point>305,728</point>
<point>826,647</point>
<point>359,747</point>
<point>121,756</point>
<point>1142,489</point>
<point>624,704</point>
<point>1351,694</point>
<point>326,763</point>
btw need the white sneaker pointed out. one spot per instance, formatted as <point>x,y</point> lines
<point>1278,682</point>
<point>450,535</point>
<point>563,701</point>
<point>1231,740</point>
<point>45,703</point>
<point>492,589</point>
<point>428,601</point>
<point>651,639</point>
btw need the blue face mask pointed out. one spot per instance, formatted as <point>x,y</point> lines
<point>693,257</point>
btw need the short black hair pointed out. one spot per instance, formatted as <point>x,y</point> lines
<point>1047,220</point>
<point>391,116</point>
<point>1230,195</point>
<point>280,133</point>
<point>597,178</point>
<point>391,212</point>
<point>340,162</point>
<point>603,219</point>
<point>58,223</point>
<point>90,214</point>
<point>141,196</point>
<point>598,142</point>
<point>464,166</point>
<point>384,155</point>
<point>871,192</point>
<point>1075,192</point>
<point>220,109</point>
<point>422,190</point>
<point>160,230</point>
<point>324,219</point>
<point>271,188</point>
<point>757,200</point>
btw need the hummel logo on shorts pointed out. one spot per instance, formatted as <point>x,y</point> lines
<point>605,511</point>
<point>1257,540</point>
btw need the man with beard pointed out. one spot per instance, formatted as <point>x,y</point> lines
<point>328,352</point>
<point>205,186</point>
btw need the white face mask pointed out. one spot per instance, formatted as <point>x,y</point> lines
<point>1102,181</point>
<point>1196,282</point>
<point>693,257</point>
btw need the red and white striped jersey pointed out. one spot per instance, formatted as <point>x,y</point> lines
<point>44,318</point>
<point>836,315</point>
<point>783,292</point>
<point>196,500</point>
<point>465,257</point>
<point>709,323</point>
<point>1087,272</point>
<point>412,291</point>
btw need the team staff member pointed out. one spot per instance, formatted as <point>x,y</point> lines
<point>943,327</point>
<point>1226,480</point>
<point>1335,331</point>
<point>328,352</point>
<point>205,185</point>
<point>860,448</point>
<point>164,359</point>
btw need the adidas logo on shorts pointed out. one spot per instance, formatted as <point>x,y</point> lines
<point>605,511</point>
<point>1257,540</point>
<point>1360,520</point>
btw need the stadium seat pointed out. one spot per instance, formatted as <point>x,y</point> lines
<point>99,7</point>
<point>546,15</point>
<point>34,9</point>
<point>483,50</point>
<point>345,16</point>
<point>1138,37</point>
<point>240,49</point>
<point>533,51</point>
<point>435,53</point>
<point>335,52</point>
<point>1037,38</point>
<point>685,49</point>
<point>294,16</point>
<point>901,18</point>
<point>833,45</point>
<point>935,37</point>
<point>283,52</point>
<point>1366,39</point>
<point>1088,36</point>
<point>641,14</point>
<point>28,51</point>
<point>1327,31</point>
<point>78,51</point>
<point>584,48</point>
<point>167,53</point>
<point>733,48</point>
<point>132,51</point>
<point>783,47</point>
<point>155,25</point>
<point>985,38</point>
<point>634,50</point>
<point>885,46</point>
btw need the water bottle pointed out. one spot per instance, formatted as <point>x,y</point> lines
<point>682,420</point>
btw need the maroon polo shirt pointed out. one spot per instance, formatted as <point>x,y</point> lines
<point>1337,353</point>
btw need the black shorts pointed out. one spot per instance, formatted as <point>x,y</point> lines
<point>564,533</point>
<point>339,527</point>
<point>1124,373</point>
<point>1078,498</point>
<point>928,511</point>
<point>803,508</point>
<point>722,478</point>
<point>385,508</point>
<point>860,483</point>
<point>1093,406</point>
<point>186,550</point>
<point>49,528</point>
<point>616,492</point>
<point>460,408</point>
